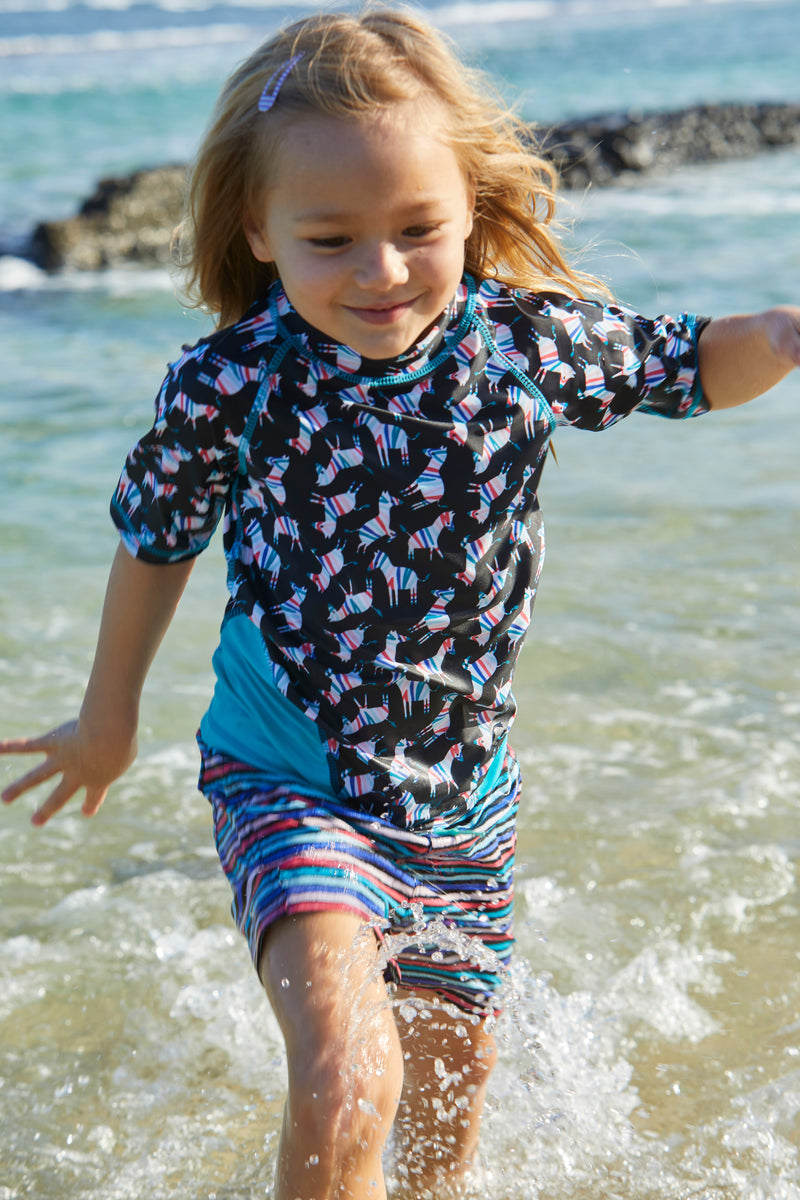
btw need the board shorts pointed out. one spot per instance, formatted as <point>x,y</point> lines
<point>439,897</point>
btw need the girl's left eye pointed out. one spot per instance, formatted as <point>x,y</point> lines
<point>419,231</point>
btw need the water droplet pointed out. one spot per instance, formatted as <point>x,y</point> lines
<point>284,983</point>
<point>367,1107</point>
<point>313,1159</point>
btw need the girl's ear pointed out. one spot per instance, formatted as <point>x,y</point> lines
<point>256,240</point>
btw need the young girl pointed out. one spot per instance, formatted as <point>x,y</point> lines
<point>398,336</point>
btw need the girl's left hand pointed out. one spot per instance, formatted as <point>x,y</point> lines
<point>744,356</point>
<point>782,328</point>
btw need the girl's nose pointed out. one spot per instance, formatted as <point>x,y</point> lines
<point>381,266</point>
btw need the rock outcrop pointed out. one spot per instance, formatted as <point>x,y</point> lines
<point>131,219</point>
<point>602,150</point>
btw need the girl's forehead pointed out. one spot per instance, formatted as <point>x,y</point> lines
<point>413,131</point>
<point>394,121</point>
<point>388,163</point>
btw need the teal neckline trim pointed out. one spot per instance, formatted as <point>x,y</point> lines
<point>401,377</point>
<point>530,387</point>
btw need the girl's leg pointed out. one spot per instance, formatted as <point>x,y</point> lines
<point>448,1061</point>
<point>345,1063</point>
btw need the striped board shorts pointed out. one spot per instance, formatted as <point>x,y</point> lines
<point>439,898</point>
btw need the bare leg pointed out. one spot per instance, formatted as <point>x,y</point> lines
<point>448,1061</point>
<point>345,1062</point>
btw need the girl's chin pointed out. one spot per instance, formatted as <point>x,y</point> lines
<point>386,338</point>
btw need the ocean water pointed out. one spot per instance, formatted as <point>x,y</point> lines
<point>651,1043</point>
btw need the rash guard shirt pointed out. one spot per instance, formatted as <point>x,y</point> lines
<point>381,525</point>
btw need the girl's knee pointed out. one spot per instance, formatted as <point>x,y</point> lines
<point>344,1105</point>
<point>352,1081</point>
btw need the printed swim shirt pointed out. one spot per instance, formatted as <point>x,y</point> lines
<point>381,524</point>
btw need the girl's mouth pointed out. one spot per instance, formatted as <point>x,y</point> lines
<point>380,314</point>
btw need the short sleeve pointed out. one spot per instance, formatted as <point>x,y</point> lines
<point>598,363</point>
<point>176,480</point>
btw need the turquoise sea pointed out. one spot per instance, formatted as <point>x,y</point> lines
<point>651,1045</point>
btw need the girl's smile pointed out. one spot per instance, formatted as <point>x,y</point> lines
<point>381,314</point>
<point>366,223</point>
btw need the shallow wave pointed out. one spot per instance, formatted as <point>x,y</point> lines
<point>459,13</point>
<point>657,196</point>
<point>17,274</point>
<point>20,275</point>
<point>106,41</point>
<point>31,7</point>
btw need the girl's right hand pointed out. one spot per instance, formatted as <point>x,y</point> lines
<point>82,761</point>
<point>100,745</point>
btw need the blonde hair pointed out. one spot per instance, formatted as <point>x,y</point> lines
<point>352,66</point>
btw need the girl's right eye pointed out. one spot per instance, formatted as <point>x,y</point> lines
<point>329,243</point>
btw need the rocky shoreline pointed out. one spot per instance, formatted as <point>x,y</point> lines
<point>130,219</point>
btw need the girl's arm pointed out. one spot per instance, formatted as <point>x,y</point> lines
<point>741,357</point>
<point>94,750</point>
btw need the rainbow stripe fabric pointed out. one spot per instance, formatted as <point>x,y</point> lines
<point>439,897</point>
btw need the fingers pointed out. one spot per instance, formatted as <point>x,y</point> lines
<point>28,745</point>
<point>789,343</point>
<point>794,344</point>
<point>61,759</point>
<point>784,329</point>
<point>39,774</point>
<point>54,802</point>
<point>64,791</point>
<point>94,798</point>
<point>43,744</point>
<point>78,760</point>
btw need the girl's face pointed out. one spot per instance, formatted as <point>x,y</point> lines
<point>366,224</point>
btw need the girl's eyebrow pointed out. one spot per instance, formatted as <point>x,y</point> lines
<point>333,215</point>
<point>319,214</point>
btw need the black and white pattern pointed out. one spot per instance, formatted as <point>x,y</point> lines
<point>381,521</point>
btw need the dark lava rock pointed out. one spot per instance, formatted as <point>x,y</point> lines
<point>129,219</point>
<point>602,150</point>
